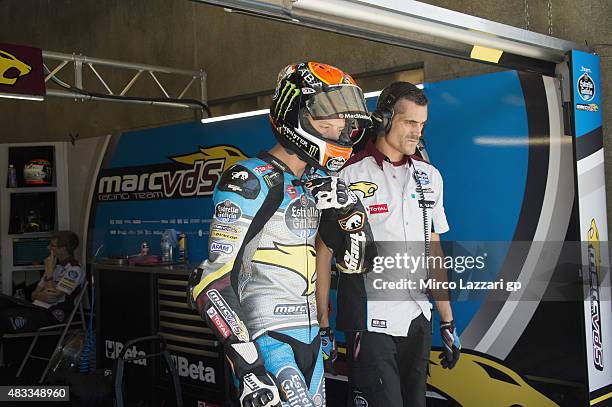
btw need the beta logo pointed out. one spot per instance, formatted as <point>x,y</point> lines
<point>585,87</point>
<point>196,371</point>
<point>114,348</point>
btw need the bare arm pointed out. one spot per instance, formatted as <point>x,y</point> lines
<point>324,256</point>
<point>46,292</point>
<point>441,297</point>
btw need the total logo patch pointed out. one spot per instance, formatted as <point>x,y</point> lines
<point>227,211</point>
<point>217,247</point>
<point>302,217</point>
<point>378,208</point>
<point>586,87</point>
<point>219,323</point>
<point>422,177</point>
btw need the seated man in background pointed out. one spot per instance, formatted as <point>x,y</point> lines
<point>53,296</point>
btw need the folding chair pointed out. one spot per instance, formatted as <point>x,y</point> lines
<point>52,330</point>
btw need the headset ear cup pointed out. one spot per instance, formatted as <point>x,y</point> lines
<point>387,119</point>
<point>377,121</point>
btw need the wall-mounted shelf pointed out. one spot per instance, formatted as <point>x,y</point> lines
<point>31,211</point>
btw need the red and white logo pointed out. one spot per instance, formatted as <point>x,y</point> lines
<point>219,322</point>
<point>291,191</point>
<point>263,168</point>
<point>378,208</point>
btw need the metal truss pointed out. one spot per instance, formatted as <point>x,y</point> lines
<point>55,62</point>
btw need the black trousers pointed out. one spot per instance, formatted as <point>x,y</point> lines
<point>389,371</point>
<point>18,316</point>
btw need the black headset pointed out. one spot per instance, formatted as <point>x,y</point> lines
<point>382,117</point>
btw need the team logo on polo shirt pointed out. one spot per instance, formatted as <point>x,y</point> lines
<point>353,222</point>
<point>365,187</point>
<point>422,177</point>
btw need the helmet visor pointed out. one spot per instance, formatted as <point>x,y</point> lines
<point>339,102</point>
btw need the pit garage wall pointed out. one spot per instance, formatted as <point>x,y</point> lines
<point>587,108</point>
<point>499,143</point>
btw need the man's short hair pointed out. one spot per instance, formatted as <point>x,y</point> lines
<point>67,239</point>
<point>405,90</point>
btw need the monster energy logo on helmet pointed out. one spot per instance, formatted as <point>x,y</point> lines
<point>284,100</point>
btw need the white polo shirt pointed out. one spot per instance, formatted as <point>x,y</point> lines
<point>394,205</point>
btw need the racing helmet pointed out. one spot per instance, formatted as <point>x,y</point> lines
<point>312,90</point>
<point>37,172</point>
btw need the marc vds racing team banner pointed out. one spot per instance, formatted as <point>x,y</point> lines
<point>587,108</point>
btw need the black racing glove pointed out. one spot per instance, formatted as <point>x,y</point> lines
<point>257,387</point>
<point>328,346</point>
<point>331,192</point>
<point>349,236</point>
<point>452,345</point>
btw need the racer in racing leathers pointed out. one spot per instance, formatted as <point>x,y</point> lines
<point>256,290</point>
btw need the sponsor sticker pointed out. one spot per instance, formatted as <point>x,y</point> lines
<point>291,191</point>
<point>219,323</point>
<point>224,228</point>
<point>378,208</point>
<point>335,163</point>
<point>291,309</point>
<point>302,217</point>
<point>263,168</point>
<point>235,324</point>
<point>217,247</point>
<point>426,204</point>
<point>227,211</point>
<point>352,223</point>
<point>19,322</point>
<point>379,323</point>
<point>273,178</point>
<point>218,234</point>
<point>586,87</point>
<point>591,107</point>
<point>422,177</point>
